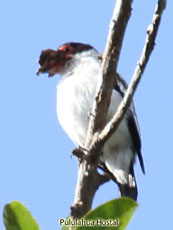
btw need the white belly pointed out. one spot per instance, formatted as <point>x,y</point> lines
<point>74,104</point>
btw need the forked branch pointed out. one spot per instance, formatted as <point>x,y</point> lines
<point>88,178</point>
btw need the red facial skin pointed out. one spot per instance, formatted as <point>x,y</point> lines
<point>52,61</point>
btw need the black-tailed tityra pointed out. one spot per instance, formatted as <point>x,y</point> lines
<point>79,66</point>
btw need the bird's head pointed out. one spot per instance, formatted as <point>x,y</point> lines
<point>57,61</point>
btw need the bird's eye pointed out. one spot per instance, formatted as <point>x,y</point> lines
<point>67,49</point>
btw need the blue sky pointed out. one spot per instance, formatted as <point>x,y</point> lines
<point>35,163</point>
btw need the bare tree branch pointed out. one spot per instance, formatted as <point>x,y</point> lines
<point>148,48</point>
<point>110,60</point>
<point>88,178</point>
<point>88,183</point>
<point>88,170</point>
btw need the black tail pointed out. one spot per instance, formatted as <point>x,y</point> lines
<point>129,191</point>
<point>130,188</point>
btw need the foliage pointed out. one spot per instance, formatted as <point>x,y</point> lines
<point>114,215</point>
<point>17,217</point>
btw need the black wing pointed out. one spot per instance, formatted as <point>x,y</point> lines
<point>121,87</point>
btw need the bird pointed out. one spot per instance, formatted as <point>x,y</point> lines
<point>79,66</point>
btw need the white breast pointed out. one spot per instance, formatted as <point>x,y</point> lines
<point>75,96</point>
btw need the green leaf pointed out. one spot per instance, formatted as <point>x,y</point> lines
<point>114,215</point>
<point>17,217</point>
